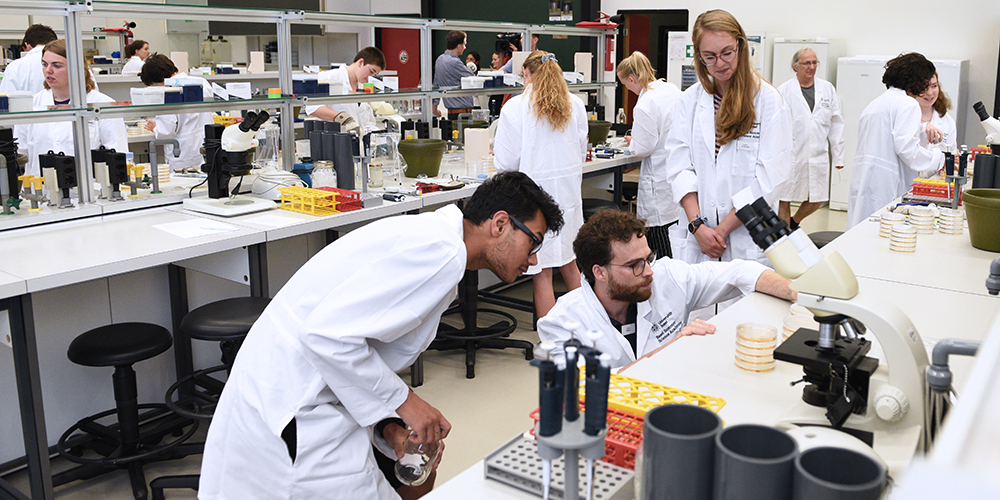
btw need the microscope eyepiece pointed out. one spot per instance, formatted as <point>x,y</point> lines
<point>764,225</point>
<point>981,110</point>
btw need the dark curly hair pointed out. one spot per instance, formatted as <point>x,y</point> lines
<point>911,72</point>
<point>516,194</point>
<point>593,242</point>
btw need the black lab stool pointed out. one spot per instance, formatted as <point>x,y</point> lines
<point>134,439</point>
<point>227,322</point>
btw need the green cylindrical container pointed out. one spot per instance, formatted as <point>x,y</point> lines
<point>423,156</point>
<point>982,207</point>
<point>597,131</point>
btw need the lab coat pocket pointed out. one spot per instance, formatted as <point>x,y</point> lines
<point>745,156</point>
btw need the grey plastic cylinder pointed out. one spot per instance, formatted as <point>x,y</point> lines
<point>828,473</point>
<point>752,462</point>
<point>984,175</point>
<point>343,160</point>
<point>678,453</point>
<point>316,145</point>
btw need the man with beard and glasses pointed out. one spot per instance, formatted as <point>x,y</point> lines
<point>621,295</point>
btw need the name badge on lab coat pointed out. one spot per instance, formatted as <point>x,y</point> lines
<point>749,140</point>
<point>628,329</point>
<point>825,103</point>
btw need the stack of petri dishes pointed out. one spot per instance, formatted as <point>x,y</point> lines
<point>951,221</point>
<point>922,218</point>
<point>792,324</point>
<point>903,238</point>
<point>755,345</point>
<point>887,220</point>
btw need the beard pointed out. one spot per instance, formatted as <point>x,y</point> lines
<point>625,293</point>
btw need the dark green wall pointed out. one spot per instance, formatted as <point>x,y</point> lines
<point>512,11</point>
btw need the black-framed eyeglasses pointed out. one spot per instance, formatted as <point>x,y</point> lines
<point>726,56</point>
<point>639,266</point>
<point>534,239</point>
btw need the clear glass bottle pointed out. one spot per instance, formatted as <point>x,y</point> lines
<point>323,174</point>
<point>417,462</point>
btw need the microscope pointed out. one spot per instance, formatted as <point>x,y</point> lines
<point>992,126</point>
<point>227,153</point>
<point>843,384</point>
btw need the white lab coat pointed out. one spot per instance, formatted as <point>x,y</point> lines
<point>678,288</point>
<point>187,128</point>
<point>553,159</point>
<point>34,139</point>
<point>361,112</point>
<point>752,166</point>
<point>325,352</point>
<point>814,132</point>
<point>25,73</point>
<point>889,154</point>
<point>133,66</point>
<point>650,122</point>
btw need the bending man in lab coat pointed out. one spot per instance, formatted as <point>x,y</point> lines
<point>318,369</point>
<point>816,126</point>
<point>730,143</point>
<point>187,128</point>
<point>369,61</point>
<point>640,302</point>
<point>889,153</point>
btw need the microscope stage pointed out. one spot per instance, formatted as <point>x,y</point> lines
<point>226,207</point>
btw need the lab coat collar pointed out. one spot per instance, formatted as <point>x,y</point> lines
<point>591,298</point>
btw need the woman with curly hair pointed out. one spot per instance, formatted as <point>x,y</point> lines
<point>543,133</point>
<point>730,143</point>
<point>889,153</point>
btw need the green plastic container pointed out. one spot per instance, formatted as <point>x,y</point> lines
<point>423,156</point>
<point>982,207</point>
<point>597,131</point>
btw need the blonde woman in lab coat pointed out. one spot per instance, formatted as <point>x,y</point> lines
<point>817,135</point>
<point>34,139</point>
<point>651,120</point>
<point>730,143</point>
<point>543,133</point>
<point>889,153</point>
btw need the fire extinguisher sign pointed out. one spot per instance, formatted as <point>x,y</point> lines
<point>404,56</point>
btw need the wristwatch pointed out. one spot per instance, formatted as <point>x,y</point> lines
<point>696,223</point>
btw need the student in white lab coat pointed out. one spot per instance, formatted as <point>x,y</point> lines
<point>187,128</point>
<point>34,139</point>
<point>369,61</point>
<point>651,118</point>
<point>817,135</point>
<point>889,153</point>
<point>25,73</point>
<point>136,52</point>
<point>640,302</point>
<point>318,369</point>
<point>543,133</point>
<point>729,144</point>
<point>938,126</point>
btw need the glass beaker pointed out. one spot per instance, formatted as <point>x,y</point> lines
<point>267,146</point>
<point>385,153</point>
<point>417,462</point>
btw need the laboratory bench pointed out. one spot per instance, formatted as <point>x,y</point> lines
<point>86,272</point>
<point>941,300</point>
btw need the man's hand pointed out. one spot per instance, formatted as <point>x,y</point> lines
<point>711,242</point>
<point>396,435</point>
<point>698,327</point>
<point>437,111</point>
<point>628,140</point>
<point>428,424</point>
<point>150,125</point>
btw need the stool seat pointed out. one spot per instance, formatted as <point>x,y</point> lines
<point>592,205</point>
<point>119,344</point>
<point>228,319</point>
<point>821,238</point>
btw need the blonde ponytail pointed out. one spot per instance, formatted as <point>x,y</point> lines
<point>549,92</point>
<point>637,64</point>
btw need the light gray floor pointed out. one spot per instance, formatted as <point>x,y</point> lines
<point>485,412</point>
